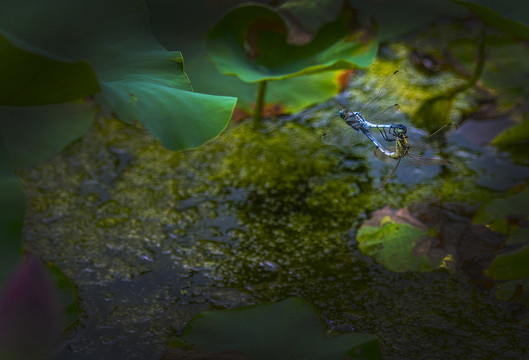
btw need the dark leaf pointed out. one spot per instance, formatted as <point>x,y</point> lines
<point>289,329</point>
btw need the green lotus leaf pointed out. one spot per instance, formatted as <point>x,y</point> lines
<point>393,18</point>
<point>141,80</point>
<point>504,73</point>
<point>514,204</point>
<point>399,242</point>
<point>35,133</point>
<point>179,118</point>
<point>289,329</point>
<point>29,79</point>
<point>310,15</point>
<point>12,208</point>
<point>517,290</point>
<point>510,265</point>
<point>518,134</point>
<point>392,245</point>
<point>510,17</point>
<point>250,42</point>
<point>294,94</point>
<point>518,235</point>
<point>287,96</point>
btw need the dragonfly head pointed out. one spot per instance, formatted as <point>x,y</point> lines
<point>401,131</point>
<point>346,114</point>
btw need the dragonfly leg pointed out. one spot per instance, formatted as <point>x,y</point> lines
<point>385,134</point>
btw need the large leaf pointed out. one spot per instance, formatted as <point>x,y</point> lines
<point>290,95</point>
<point>511,17</point>
<point>180,118</point>
<point>502,214</point>
<point>34,133</point>
<point>141,80</point>
<point>399,242</point>
<point>393,18</point>
<point>517,290</point>
<point>29,79</point>
<point>518,134</point>
<point>510,265</point>
<point>289,329</point>
<point>12,207</point>
<point>296,93</point>
<point>518,235</point>
<point>309,15</point>
<point>250,42</point>
<point>514,205</point>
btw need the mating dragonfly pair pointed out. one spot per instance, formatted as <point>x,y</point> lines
<point>355,124</point>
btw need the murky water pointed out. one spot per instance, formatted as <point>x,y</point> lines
<point>152,237</point>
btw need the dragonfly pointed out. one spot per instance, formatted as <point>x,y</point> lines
<point>355,123</point>
<point>403,149</point>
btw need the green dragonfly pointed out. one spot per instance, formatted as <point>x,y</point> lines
<point>413,153</point>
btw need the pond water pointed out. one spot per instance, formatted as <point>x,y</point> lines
<point>151,237</point>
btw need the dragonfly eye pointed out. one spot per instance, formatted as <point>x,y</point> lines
<point>342,114</point>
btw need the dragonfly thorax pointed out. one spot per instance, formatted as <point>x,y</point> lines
<point>403,145</point>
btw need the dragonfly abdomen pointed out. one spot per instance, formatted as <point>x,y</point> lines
<point>391,154</point>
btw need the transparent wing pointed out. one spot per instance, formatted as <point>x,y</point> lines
<point>388,176</point>
<point>417,160</point>
<point>376,106</point>
<point>340,134</point>
<point>385,114</point>
<point>383,157</point>
<point>437,139</point>
<point>342,106</point>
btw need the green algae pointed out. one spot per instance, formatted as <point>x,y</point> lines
<point>152,237</point>
<point>210,227</point>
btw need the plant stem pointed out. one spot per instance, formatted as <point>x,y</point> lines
<point>478,69</point>
<point>481,60</point>
<point>261,93</point>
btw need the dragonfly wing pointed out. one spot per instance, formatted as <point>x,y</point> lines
<point>417,160</point>
<point>436,139</point>
<point>384,114</point>
<point>373,105</point>
<point>341,135</point>
<point>388,176</point>
<point>342,106</point>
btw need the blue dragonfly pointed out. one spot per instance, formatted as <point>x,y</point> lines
<point>357,124</point>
